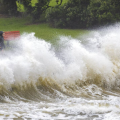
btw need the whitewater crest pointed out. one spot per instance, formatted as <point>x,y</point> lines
<point>70,78</point>
<point>85,65</point>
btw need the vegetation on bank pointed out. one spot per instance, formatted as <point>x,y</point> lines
<point>66,13</point>
<point>84,13</point>
<point>41,30</point>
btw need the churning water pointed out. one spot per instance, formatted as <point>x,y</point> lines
<point>72,79</point>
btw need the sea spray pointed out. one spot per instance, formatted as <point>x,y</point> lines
<point>35,58</point>
<point>71,79</point>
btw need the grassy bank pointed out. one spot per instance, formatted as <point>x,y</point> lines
<point>41,30</point>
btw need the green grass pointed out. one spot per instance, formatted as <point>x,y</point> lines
<point>42,31</point>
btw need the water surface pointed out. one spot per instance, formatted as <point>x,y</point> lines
<point>73,79</point>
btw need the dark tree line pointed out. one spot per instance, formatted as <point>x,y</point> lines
<point>84,13</point>
<point>35,11</point>
<point>10,7</point>
<point>73,14</point>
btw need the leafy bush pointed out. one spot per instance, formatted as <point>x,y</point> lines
<point>84,13</point>
<point>100,12</point>
<point>55,16</point>
<point>69,15</point>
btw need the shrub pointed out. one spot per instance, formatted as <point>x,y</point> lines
<point>73,14</point>
<point>84,13</point>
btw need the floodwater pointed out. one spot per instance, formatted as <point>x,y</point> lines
<point>71,79</point>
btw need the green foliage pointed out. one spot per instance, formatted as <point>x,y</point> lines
<point>69,15</point>
<point>72,14</point>
<point>53,2</point>
<point>34,8</point>
<point>55,16</point>
<point>40,8</point>
<point>100,12</point>
<point>84,13</point>
<point>37,9</point>
<point>9,7</point>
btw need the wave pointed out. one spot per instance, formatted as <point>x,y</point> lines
<point>34,69</point>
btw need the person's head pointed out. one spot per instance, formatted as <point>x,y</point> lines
<point>1,33</point>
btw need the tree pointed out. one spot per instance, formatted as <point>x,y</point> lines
<point>37,10</point>
<point>84,13</point>
<point>101,12</point>
<point>59,2</point>
<point>11,7</point>
<point>40,8</point>
<point>116,7</point>
<point>73,14</point>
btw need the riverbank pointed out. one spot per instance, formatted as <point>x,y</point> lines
<point>41,30</point>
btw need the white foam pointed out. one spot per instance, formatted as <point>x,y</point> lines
<point>33,58</point>
<point>81,68</point>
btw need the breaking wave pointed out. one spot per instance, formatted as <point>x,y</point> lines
<point>33,69</point>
